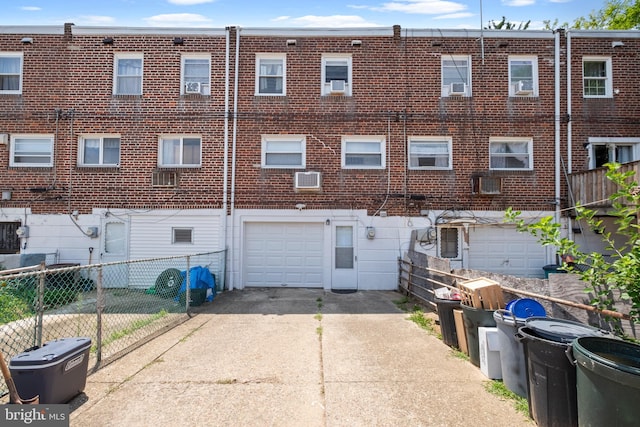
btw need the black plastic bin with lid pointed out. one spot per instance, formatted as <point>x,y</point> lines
<point>475,318</point>
<point>445,309</point>
<point>57,371</point>
<point>551,385</point>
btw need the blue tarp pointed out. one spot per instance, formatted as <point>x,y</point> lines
<point>201,278</point>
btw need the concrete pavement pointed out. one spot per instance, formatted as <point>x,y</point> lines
<point>293,357</point>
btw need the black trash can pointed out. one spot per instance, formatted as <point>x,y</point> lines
<point>445,309</point>
<point>607,382</point>
<point>473,319</point>
<point>551,385</point>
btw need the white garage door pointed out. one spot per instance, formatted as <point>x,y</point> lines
<point>283,254</point>
<point>504,250</point>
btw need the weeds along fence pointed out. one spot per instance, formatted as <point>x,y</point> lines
<point>119,305</point>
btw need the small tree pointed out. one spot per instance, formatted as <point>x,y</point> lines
<point>610,280</point>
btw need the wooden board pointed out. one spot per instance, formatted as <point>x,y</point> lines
<point>460,331</point>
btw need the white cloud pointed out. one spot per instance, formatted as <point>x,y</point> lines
<point>95,20</point>
<point>281,18</point>
<point>31,8</point>
<point>189,2</point>
<point>425,7</point>
<point>332,21</point>
<point>455,15</point>
<point>518,3</point>
<point>178,20</point>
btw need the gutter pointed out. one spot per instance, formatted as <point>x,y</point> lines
<point>225,185</point>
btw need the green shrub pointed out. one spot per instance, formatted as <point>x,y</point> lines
<point>12,307</point>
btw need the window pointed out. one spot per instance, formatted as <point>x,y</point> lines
<point>609,150</point>
<point>128,74</point>
<point>283,151</point>
<point>182,235</point>
<point>271,71</point>
<point>336,75</point>
<point>9,239</point>
<point>32,150</point>
<point>180,151</point>
<point>597,77</point>
<point>448,242</point>
<point>429,152</point>
<point>97,150</point>
<point>196,75</point>
<point>363,152</point>
<point>510,153</point>
<point>456,76</point>
<point>523,76</point>
<point>10,73</point>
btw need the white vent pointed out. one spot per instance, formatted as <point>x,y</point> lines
<point>164,179</point>
<point>524,87</point>
<point>457,88</point>
<point>192,87</point>
<point>487,185</point>
<point>337,86</point>
<point>307,180</point>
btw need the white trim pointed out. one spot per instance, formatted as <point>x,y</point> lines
<point>19,55</point>
<point>183,82</point>
<point>363,138</point>
<point>116,58</point>
<point>608,81</point>
<point>318,32</point>
<point>446,88</point>
<point>44,137</point>
<point>534,76</point>
<point>325,88</point>
<point>177,31</point>
<point>431,140</point>
<point>181,137</point>
<point>283,138</point>
<point>529,142</point>
<point>271,56</point>
<point>101,136</point>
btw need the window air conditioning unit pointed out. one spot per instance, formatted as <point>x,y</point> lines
<point>457,88</point>
<point>524,87</point>
<point>307,181</point>
<point>192,87</point>
<point>164,179</point>
<point>337,86</point>
<point>487,185</point>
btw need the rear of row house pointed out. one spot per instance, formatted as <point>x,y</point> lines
<point>309,154</point>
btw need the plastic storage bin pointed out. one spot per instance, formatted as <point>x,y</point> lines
<point>57,371</point>
<point>473,319</point>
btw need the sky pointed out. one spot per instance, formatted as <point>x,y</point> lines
<point>445,14</point>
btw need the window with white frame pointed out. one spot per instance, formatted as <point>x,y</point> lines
<point>271,72</point>
<point>31,150</point>
<point>596,74</point>
<point>128,74</point>
<point>456,75</point>
<point>336,75</point>
<point>283,151</point>
<point>612,150</point>
<point>363,152</point>
<point>99,150</point>
<point>196,74</point>
<point>523,76</point>
<point>430,152</point>
<point>510,153</point>
<point>180,151</point>
<point>10,73</point>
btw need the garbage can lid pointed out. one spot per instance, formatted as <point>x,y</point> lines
<point>526,307</point>
<point>560,330</point>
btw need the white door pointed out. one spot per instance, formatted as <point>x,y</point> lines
<point>344,272</point>
<point>114,247</point>
<point>283,254</point>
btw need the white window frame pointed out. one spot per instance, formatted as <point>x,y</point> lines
<point>373,139</point>
<point>292,141</point>
<point>282,57</point>
<point>514,81</point>
<point>502,140</point>
<point>205,82</point>
<point>46,140</point>
<point>122,56</point>
<point>326,85</point>
<point>608,79</point>
<point>446,82</point>
<point>100,137</point>
<point>612,143</point>
<point>20,56</point>
<point>180,163</point>
<point>430,140</point>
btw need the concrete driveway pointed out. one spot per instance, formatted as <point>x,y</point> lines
<point>293,357</point>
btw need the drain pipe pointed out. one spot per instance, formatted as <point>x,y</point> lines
<point>558,123</point>
<point>233,155</point>
<point>569,121</point>
<point>225,166</point>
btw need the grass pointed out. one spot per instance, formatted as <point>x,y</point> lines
<point>498,388</point>
<point>138,324</point>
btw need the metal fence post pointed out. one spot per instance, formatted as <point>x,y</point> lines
<point>40,304</point>
<point>188,290</point>
<point>100,304</point>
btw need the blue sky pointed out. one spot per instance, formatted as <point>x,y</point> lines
<point>301,13</point>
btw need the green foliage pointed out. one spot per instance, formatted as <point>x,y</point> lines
<point>614,15</point>
<point>506,25</point>
<point>498,388</point>
<point>12,307</point>
<point>609,280</point>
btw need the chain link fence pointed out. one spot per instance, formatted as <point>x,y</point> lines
<point>119,305</point>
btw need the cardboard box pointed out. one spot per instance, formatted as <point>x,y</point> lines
<point>481,293</point>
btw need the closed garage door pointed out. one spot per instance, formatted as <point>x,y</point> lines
<point>283,254</point>
<point>505,250</point>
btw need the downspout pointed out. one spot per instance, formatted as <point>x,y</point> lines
<point>233,150</point>
<point>225,166</point>
<point>558,123</point>
<point>569,122</point>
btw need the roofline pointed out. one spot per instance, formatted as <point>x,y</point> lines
<point>179,31</point>
<point>56,30</point>
<point>608,34</point>
<point>477,33</point>
<point>317,31</point>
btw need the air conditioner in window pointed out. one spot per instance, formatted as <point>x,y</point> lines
<point>337,86</point>
<point>524,87</point>
<point>486,185</point>
<point>192,87</point>
<point>307,180</point>
<point>457,88</point>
